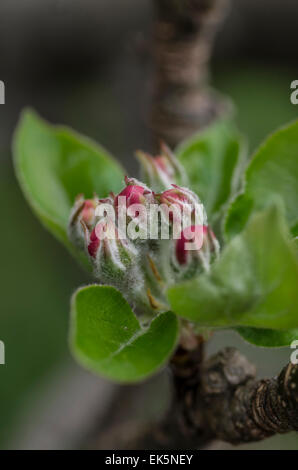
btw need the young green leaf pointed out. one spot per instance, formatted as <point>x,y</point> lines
<point>213,160</point>
<point>268,338</point>
<point>272,171</point>
<point>107,338</point>
<point>254,283</point>
<point>54,165</point>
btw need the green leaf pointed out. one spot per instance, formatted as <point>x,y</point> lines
<point>213,160</point>
<point>272,172</point>
<point>54,164</point>
<point>254,283</point>
<point>268,338</point>
<point>107,338</point>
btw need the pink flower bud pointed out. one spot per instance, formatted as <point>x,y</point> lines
<point>190,234</point>
<point>82,219</point>
<point>203,243</point>
<point>143,267</point>
<point>173,196</point>
<point>161,171</point>
<point>133,194</point>
<point>102,233</point>
<point>178,195</point>
<point>181,202</point>
<point>88,211</point>
<point>93,244</point>
<point>84,209</point>
<point>109,248</point>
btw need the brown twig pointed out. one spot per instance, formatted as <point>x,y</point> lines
<point>183,37</point>
<point>221,399</point>
<point>215,399</point>
<point>237,408</point>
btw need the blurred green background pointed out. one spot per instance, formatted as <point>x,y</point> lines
<point>82,64</point>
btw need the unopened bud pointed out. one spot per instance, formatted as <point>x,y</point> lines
<point>110,251</point>
<point>145,238</point>
<point>183,197</point>
<point>161,171</point>
<point>182,205</point>
<point>133,193</point>
<point>93,244</point>
<point>196,243</point>
<point>82,217</point>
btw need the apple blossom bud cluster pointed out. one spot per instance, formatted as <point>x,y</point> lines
<point>145,238</point>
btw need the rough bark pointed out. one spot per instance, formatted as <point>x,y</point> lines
<point>237,408</point>
<point>223,400</point>
<point>214,399</point>
<point>183,37</point>
<point>220,399</point>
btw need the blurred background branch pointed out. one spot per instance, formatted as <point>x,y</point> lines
<point>184,33</point>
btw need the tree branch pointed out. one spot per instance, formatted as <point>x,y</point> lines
<point>237,408</point>
<point>183,37</point>
<point>221,399</point>
<point>216,399</point>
